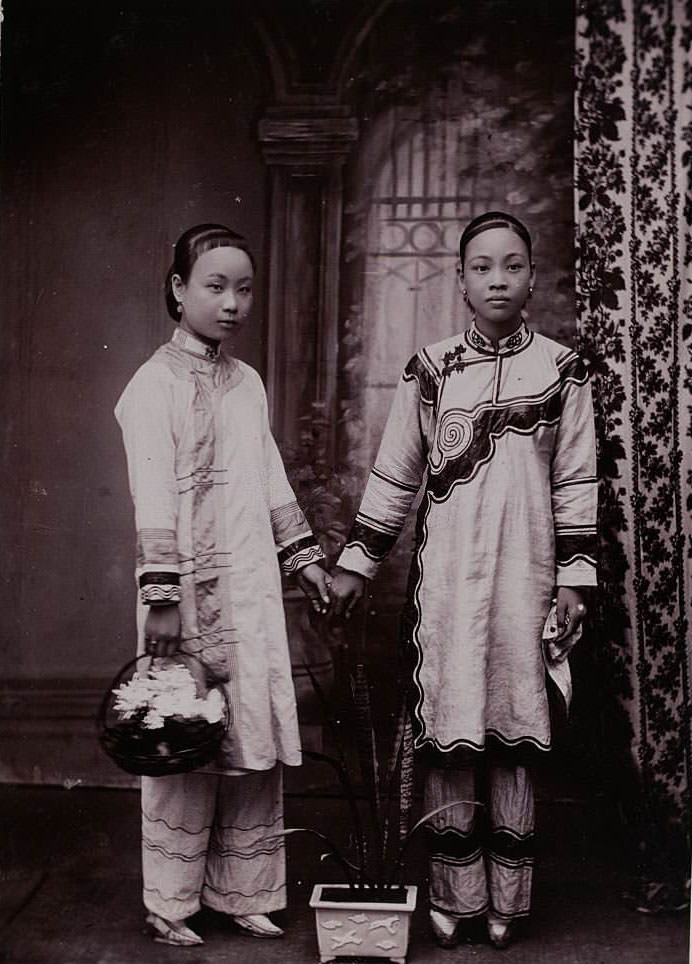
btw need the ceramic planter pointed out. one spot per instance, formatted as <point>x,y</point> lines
<point>361,927</point>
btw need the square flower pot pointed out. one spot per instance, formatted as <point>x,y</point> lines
<point>361,927</point>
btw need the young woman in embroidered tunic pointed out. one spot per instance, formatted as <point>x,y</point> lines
<point>499,421</point>
<point>215,517</point>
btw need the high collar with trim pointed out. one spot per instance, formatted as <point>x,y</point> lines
<point>195,346</point>
<point>516,340</point>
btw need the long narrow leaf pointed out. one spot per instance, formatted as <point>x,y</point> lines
<point>395,758</point>
<point>417,825</point>
<point>331,846</point>
<point>393,769</point>
<point>367,755</point>
<point>406,779</point>
<point>339,765</point>
<point>328,713</point>
<point>347,787</point>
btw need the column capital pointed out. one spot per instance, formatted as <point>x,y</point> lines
<point>307,136</point>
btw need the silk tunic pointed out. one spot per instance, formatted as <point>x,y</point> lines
<point>504,436</point>
<point>215,516</point>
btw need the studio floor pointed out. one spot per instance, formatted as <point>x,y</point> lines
<point>70,893</point>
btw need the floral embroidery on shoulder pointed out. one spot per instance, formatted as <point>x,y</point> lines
<point>452,360</point>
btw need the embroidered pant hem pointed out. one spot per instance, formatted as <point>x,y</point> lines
<point>214,840</point>
<point>481,866</point>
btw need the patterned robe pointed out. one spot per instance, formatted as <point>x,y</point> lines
<point>505,438</point>
<point>213,508</point>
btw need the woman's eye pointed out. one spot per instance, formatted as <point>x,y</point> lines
<point>215,287</point>
<point>245,290</point>
<point>515,267</point>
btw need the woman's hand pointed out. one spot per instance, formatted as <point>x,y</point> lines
<point>315,583</point>
<point>347,590</point>
<point>571,610</point>
<point>162,630</point>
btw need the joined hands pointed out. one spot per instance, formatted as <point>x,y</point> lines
<point>337,595</point>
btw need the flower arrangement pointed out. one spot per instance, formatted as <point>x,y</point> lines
<point>166,692</point>
<point>155,722</point>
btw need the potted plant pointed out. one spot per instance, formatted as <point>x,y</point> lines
<point>367,912</point>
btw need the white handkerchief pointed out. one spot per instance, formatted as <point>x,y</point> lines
<point>555,655</point>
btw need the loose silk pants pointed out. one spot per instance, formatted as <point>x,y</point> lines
<point>212,839</point>
<point>481,862</point>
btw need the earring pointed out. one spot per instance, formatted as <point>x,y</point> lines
<point>530,291</point>
<point>180,307</point>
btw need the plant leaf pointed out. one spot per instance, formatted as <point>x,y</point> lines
<point>367,753</point>
<point>406,779</point>
<point>339,766</point>
<point>396,870</point>
<point>331,846</point>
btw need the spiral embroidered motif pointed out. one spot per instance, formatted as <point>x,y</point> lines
<point>454,435</point>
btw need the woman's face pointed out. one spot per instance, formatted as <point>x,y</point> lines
<point>218,294</point>
<point>497,275</point>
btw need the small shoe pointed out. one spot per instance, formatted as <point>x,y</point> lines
<point>500,934</point>
<point>444,928</point>
<point>172,931</point>
<point>257,925</point>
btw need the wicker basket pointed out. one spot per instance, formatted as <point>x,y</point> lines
<point>179,746</point>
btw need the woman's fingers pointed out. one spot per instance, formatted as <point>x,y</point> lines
<point>338,600</point>
<point>324,587</point>
<point>574,616</point>
<point>577,614</point>
<point>162,630</point>
<point>161,647</point>
<point>315,583</point>
<point>344,598</point>
<point>570,612</point>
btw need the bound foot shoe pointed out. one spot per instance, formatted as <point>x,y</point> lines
<point>172,931</point>
<point>500,934</point>
<point>257,925</point>
<point>444,928</point>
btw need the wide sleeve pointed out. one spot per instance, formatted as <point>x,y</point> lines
<point>573,479</point>
<point>296,545</point>
<point>397,474</point>
<point>145,415</point>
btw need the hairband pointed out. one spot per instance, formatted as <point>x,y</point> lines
<point>488,221</point>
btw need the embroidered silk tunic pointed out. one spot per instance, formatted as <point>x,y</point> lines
<point>215,515</point>
<point>504,435</point>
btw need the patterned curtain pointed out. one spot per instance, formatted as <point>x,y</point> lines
<point>634,291</point>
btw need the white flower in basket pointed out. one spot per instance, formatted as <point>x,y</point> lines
<point>166,692</point>
<point>161,720</point>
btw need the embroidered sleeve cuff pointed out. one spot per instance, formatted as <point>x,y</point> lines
<point>289,524</point>
<point>157,550</point>
<point>355,559</point>
<point>578,573</point>
<point>299,554</point>
<point>159,588</point>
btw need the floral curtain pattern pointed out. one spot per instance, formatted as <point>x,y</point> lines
<point>633,147</point>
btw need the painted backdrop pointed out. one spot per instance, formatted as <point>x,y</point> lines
<point>634,288</point>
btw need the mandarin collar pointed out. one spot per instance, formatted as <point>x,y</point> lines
<point>195,346</point>
<point>510,343</point>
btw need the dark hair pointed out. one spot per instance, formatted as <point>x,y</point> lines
<point>193,243</point>
<point>493,219</point>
